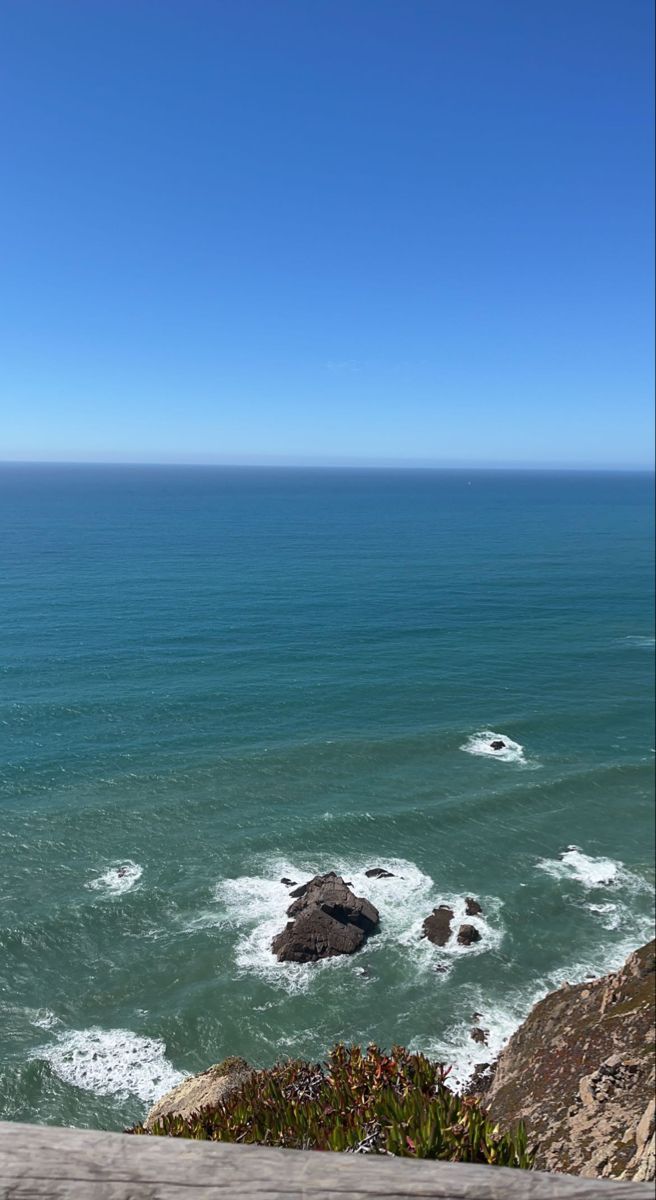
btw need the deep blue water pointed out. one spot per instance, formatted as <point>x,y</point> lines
<point>215,677</point>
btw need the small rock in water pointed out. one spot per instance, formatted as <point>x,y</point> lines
<point>437,927</point>
<point>478,1035</point>
<point>289,882</point>
<point>472,907</point>
<point>497,745</point>
<point>379,873</point>
<point>467,935</point>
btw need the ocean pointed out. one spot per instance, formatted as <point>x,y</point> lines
<point>213,678</point>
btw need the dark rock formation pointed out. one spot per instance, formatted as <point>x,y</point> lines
<point>437,927</point>
<point>379,873</point>
<point>497,745</point>
<point>289,882</point>
<point>198,1091</point>
<point>467,935</point>
<point>327,919</point>
<point>472,907</point>
<point>580,1073</point>
<point>478,1035</point>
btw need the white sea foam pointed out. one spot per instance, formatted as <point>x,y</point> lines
<point>456,1047</point>
<point>640,641</point>
<point>591,872</point>
<point>481,743</point>
<point>255,906</point>
<point>611,916</point>
<point>111,1062</point>
<point>43,1018</point>
<point>117,879</point>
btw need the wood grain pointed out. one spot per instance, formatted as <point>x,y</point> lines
<point>44,1161</point>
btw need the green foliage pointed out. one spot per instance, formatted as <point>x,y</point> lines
<point>359,1102</point>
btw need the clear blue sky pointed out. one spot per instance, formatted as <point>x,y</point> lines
<point>325,230</point>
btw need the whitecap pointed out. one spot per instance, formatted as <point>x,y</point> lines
<point>117,879</point>
<point>43,1018</point>
<point>255,907</point>
<point>457,1049</point>
<point>481,743</point>
<point>589,871</point>
<point>111,1062</point>
<point>640,641</point>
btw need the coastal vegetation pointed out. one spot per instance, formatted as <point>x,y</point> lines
<point>359,1101</point>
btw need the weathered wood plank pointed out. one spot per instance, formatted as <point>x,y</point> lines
<point>46,1162</point>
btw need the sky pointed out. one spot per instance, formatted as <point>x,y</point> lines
<point>327,231</point>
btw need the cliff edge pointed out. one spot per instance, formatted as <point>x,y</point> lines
<point>580,1073</point>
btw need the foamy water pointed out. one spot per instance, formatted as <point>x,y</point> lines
<point>117,879</point>
<point>111,1062</point>
<point>481,743</point>
<point>255,907</point>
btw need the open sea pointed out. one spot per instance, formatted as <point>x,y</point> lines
<point>211,678</point>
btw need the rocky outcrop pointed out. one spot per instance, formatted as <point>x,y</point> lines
<point>437,927</point>
<point>472,907</point>
<point>467,935</point>
<point>580,1072</point>
<point>198,1091</point>
<point>327,919</point>
<point>379,873</point>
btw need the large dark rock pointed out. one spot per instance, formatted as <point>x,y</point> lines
<point>379,873</point>
<point>467,935</point>
<point>497,745</point>
<point>437,927</point>
<point>327,919</point>
<point>472,907</point>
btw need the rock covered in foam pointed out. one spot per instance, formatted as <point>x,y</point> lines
<point>327,919</point>
<point>199,1091</point>
<point>472,907</point>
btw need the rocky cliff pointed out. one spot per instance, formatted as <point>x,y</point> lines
<point>580,1072</point>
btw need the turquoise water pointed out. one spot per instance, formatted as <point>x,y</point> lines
<point>213,678</point>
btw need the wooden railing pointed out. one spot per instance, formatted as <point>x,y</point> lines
<point>39,1161</point>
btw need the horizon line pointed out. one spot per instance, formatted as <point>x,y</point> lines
<point>335,464</point>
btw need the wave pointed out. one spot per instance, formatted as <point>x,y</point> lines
<point>111,1062</point>
<point>118,879</point>
<point>255,906</point>
<point>481,743</point>
<point>591,872</point>
<point>456,1047</point>
<point>640,641</point>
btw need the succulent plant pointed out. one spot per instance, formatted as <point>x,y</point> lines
<point>361,1102</point>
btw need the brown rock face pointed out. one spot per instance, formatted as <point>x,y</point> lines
<point>198,1091</point>
<point>472,907</point>
<point>580,1073</point>
<point>327,919</point>
<point>437,927</point>
<point>467,935</point>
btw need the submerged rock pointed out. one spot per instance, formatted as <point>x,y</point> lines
<point>327,919</point>
<point>467,935</point>
<point>198,1091</point>
<point>437,927</point>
